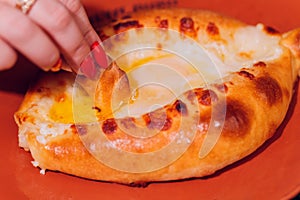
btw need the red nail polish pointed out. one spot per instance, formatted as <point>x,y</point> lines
<point>88,67</point>
<point>99,54</point>
<point>57,66</point>
<point>94,45</point>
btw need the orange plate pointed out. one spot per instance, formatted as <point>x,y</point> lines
<point>272,172</point>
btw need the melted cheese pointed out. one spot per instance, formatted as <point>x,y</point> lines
<point>62,111</point>
<point>157,77</point>
<point>68,110</point>
<point>247,46</point>
<point>155,82</point>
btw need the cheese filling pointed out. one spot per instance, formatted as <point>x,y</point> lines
<point>157,76</point>
<point>156,83</point>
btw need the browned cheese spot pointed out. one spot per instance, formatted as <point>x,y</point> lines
<point>246,74</point>
<point>147,119</point>
<point>237,121</point>
<point>81,129</point>
<point>167,124</point>
<point>187,26</point>
<point>260,64</point>
<point>271,30</point>
<point>180,107</point>
<point>270,88</point>
<point>124,26</point>
<point>164,24</point>
<point>109,126</point>
<point>191,96</point>
<point>222,87</point>
<point>73,128</point>
<point>206,97</point>
<point>127,122</point>
<point>212,29</point>
<point>158,120</point>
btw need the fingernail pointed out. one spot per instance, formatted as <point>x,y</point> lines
<point>88,67</point>
<point>94,45</point>
<point>57,66</point>
<point>99,54</point>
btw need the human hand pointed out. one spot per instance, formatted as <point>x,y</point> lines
<point>49,29</point>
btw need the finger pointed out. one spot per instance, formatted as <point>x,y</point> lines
<point>57,20</point>
<point>88,31</point>
<point>25,36</point>
<point>81,18</point>
<point>8,56</point>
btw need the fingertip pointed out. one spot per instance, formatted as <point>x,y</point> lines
<point>6,67</point>
<point>9,64</point>
<point>57,66</point>
<point>54,61</point>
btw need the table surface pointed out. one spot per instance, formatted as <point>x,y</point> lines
<point>270,172</point>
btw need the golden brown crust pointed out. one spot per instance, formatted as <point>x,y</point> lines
<point>115,84</point>
<point>249,122</point>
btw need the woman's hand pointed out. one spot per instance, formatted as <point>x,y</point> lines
<point>50,28</point>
